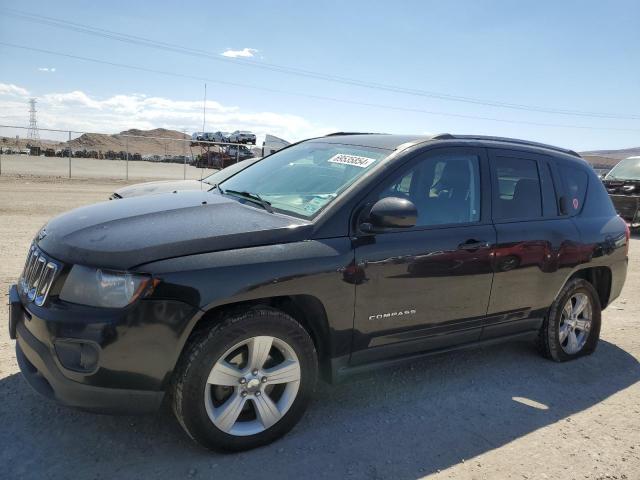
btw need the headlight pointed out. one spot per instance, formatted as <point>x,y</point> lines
<point>102,288</point>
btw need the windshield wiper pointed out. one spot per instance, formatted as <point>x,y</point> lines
<point>254,197</point>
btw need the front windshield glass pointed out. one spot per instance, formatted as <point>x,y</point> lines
<point>627,169</point>
<point>304,179</point>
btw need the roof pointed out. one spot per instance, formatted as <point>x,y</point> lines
<point>392,142</point>
<point>375,140</point>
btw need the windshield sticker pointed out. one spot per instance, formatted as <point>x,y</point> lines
<point>362,162</point>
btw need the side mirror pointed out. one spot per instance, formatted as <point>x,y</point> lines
<point>391,212</point>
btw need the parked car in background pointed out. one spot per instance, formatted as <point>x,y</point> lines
<point>222,137</point>
<point>239,152</point>
<point>623,185</point>
<point>330,257</point>
<point>171,186</point>
<point>242,136</point>
<point>272,144</point>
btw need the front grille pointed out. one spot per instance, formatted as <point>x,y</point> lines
<point>38,276</point>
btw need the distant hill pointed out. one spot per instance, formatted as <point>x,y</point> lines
<point>145,142</point>
<point>608,158</point>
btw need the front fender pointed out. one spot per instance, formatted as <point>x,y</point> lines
<point>315,268</point>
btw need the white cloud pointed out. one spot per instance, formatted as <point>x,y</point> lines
<point>77,110</point>
<point>9,89</point>
<point>47,69</point>
<point>245,52</point>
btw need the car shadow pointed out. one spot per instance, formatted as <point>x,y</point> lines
<point>403,422</point>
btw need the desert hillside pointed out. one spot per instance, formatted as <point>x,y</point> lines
<point>608,158</point>
<point>145,142</point>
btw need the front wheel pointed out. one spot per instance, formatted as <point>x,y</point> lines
<point>246,381</point>
<point>572,327</point>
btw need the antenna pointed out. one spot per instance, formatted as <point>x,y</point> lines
<point>33,136</point>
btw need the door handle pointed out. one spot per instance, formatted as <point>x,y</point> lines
<point>472,244</point>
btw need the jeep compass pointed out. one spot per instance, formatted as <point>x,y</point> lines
<point>332,256</point>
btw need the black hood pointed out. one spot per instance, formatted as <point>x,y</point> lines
<point>130,232</point>
<point>163,186</point>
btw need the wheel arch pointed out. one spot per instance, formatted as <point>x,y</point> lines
<point>600,277</point>
<point>307,310</point>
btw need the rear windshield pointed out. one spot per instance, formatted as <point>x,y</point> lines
<point>303,179</point>
<point>627,169</point>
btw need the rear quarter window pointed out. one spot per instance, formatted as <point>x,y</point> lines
<point>576,181</point>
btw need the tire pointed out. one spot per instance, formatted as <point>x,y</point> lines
<point>236,341</point>
<point>554,342</point>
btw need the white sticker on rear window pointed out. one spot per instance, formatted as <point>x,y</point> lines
<point>356,161</point>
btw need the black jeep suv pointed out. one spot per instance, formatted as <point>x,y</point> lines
<point>331,256</point>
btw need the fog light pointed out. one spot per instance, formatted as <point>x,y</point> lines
<point>77,355</point>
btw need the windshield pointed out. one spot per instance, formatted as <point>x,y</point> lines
<point>304,179</point>
<point>627,169</point>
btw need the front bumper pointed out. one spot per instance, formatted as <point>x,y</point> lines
<point>131,352</point>
<point>628,207</point>
<point>41,372</point>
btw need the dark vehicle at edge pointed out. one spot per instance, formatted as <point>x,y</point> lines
<point>623,185</point>
<point>329,257</point>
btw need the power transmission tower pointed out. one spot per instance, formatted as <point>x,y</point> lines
<point>33,136</point>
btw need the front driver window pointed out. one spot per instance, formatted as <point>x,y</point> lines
<point>445,189</point>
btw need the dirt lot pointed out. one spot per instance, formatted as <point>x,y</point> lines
<point>500,412</point>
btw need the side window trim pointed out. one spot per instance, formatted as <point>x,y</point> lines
<point>484,182</point>
<point>559,186</point>
<point>546,165</point>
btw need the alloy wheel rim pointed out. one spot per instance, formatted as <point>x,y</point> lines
<point>575,323</point>
<point>252,385</point>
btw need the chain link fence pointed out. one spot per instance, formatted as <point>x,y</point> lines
<point>135,154</point>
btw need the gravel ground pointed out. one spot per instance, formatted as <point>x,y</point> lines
<point>499,412</point>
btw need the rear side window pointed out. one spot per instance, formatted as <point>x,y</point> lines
<point>518,189</point>
<point>575,180</point>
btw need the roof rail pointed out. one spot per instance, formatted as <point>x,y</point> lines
<point>448,136</point>
<point>335,134</point>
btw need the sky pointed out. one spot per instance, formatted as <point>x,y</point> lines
<point>301,69</point>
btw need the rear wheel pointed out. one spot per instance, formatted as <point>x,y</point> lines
<point>572,328</point>
<point>245,382</point>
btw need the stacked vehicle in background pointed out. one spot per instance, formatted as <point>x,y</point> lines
<point>623,185</point>
<point>242,136</point>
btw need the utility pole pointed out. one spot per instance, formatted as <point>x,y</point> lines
<point>184,154</point>
<point>204,108</point>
